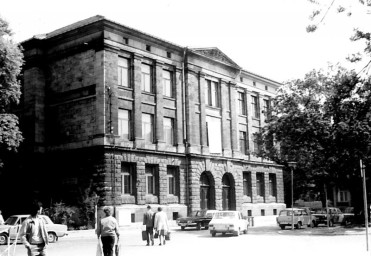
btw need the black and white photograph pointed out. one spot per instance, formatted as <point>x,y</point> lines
<point>171,127</point>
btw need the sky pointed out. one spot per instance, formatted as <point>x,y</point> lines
<point>266,37</point>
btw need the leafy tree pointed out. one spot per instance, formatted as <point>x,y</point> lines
<point>11,59</point>
<point>323,123</point>
<point>350,9</point>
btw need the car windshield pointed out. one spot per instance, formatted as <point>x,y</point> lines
<point>289,212</point>
<point>11,221</point>
<point>209,214</point>
<point>320,211</point>
<point>225,215</point>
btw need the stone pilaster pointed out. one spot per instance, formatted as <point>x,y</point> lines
<point>137,113</point>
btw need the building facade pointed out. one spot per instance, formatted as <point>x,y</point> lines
<point>132,119</point>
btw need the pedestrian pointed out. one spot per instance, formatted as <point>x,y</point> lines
<point>33,233</point>
<point>1,219</point>
<point>161,225</point>
<point>108,232</point>
<point>148,221</point>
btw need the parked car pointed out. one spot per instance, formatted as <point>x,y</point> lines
<point>13,224</point>
<point>334,215</point>
<point>199,220</point>
<point>347,216</point>
<point>228,222</point>
<point>301,217</point>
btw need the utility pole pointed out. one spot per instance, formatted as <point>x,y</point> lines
<point>363,175</point>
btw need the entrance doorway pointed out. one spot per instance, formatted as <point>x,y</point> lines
<point>228,192</point>
<point>207,191</point>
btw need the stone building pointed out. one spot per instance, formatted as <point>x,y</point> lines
<point>110,111</point>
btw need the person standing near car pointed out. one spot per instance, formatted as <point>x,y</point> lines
<point>148,221</point>
<point>33,233</point>
<point>161,225</point>
<point>1,219</point>
<point>107,231</point>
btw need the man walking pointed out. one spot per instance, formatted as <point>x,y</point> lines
<point>33,233</point>
<point>148,221</point>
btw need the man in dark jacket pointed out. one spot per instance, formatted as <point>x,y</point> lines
<point>148,221</point>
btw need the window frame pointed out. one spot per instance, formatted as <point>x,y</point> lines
<point>129,173</point>
<point>167,84</point>
<point>260,186</point>
<point>172,176</point>
<point>150,174</point>
<point>120,68</point>
<point>255,106</point>
<point>144,74</point>
<point>272,184</point>
<point>242,103</point>
<point>212,94</point>
<point>244,140</point>
<point>246,183</point>
<point>124,121</point>
<point>169,131</point>
<point>149,125</point>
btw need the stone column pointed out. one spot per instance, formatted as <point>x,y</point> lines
<point>203,127</point>
<point>226,123</point>
<point>178,94</point>
<point>234,119</point>
<point>137,113</point>
<point>159,118</point>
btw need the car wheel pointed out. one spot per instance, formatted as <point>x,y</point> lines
<point>206,227</point>
<point>313,224</point>
<point>182,228</point>
<point>3,239</point>
<point>213,233</point>
<point>198,226</point>
<point>52,237</point>
<point>298,226</point>
<point>223,233</point>
<point>282,227</point>
<point>331,223</point>
<point>237,233</point>
<point>245,231</point>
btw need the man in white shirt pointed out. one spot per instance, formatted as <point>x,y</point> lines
<point>33,233</point>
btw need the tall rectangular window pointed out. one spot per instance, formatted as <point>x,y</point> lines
<point>146,78</point>
<point>272,184</point>
<point>241,103</point>
<point>243,142</point>
<point>147,128</point>
<point>172,173</point>
<point>168,85</point>
<point>260,184</point>
<point>214,133</point>
<point>128,178</point>
<point>212,94</point>
<point>254,106</point>
<point>256,144</point>
<point>169,130</point>
<point>266,108</point>
<point>151,176</point>
<point>247,190</point>
<point>124,124</point>
<point>123,72</point>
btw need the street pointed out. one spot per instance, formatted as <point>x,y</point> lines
<point>263,240</point>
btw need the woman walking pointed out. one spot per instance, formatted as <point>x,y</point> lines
<point>161,225</point>
<point>108,230</point>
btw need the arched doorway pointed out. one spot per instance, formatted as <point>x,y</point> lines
<point>207,198</point>
<point>228,192</point>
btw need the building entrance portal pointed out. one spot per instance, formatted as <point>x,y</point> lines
<point>207,191</point>
<point>228,193</point>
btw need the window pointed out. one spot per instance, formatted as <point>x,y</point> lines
<point>169,130</point>
<point>247,184</point>
<point>266,108</point>
<point>241,103</point>
<point>241,79</point>
<point>272,185</point>
<point>146,78</point>
<point>214,133</point>
<point>128,178</point>
<point>124,124</point>
<point>168,54</point>
<point>168,85</point>
<point>126,40</point>
<point>243,148</point>
<point>147,127</point>
<point>212,95</point>
<point>123,72</point>
<point>254,106</point>
<point>256,148</point>
<point>151,176</point>
<point>171,179</point>
<point>260,184</point>
<point>148,48</point>
<point>343,196</point>
<point>254,83</point>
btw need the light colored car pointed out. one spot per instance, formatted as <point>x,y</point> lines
<point>300,218</point>
<point>12,225</point>
<point>228,222</point>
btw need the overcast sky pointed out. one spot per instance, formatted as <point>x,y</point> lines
<point>265,37</point>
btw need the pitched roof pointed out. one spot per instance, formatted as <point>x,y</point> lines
<point>216,54</point>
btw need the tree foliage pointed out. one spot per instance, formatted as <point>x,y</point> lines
<point>11,60</point>
<point>323,9</point>
<point>323,123</point>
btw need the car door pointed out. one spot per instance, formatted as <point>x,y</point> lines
<point>14,230</point>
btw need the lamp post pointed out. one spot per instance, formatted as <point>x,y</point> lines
<point>292,166</point>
